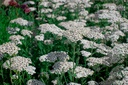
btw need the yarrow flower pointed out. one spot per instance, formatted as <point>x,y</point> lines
<point>16,39</point>
<point>94,61</point>
<point>9,48</point>
<point>82,72</point>
<point>40,37</point>
<point>50,28</point>
<point>19,63</point>
<point>92,83</point>
<point>62,67</point>
<point>34,82</point>
<point>29,2</point>
<point>13,30</point>
<point>26,33</point>
<point>72,83</point>
<point>54,56</point>
<point>21,22</point>
<point>85,53</point>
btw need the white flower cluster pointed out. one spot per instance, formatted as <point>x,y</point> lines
<point>26,33</point>
<point>82,72</point>
<point>47,42</point>
<point>14,76</point>
<point>29,2</point>
<point>100,48</point>
<point>92,61</point>
<point>45,4</point>
<point>72,5</point>
<point>88,44</point>
<point>62,67</point>
<point>94,34</point>
<point>118,76</point>
<point>9,48</point>
<point>111,16</point>
<point>85,53</point>
<point>72,83</point>
<point>113,6</point>
<point>13,30</point>
<point>70,25</point>
<point>16,39</point>
<point>124,26</point>
<point>54,56</point>
<point>114,36</point>
<point>54,82</point>
<point>21,22</point>
<point>118,53</point>
<point>120,49</point>
<point>39,37</point>
<point>34,82</point>
<point>44,10</point>
<point>75,30</point>
<point>60,18</point>
<point>92,83</point>
<point>19,63</point>
<point>110,6</point>
<point>50,28</point>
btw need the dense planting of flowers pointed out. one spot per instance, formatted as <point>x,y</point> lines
<point>64,42</point>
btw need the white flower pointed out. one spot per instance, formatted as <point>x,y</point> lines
<point>114,36</point>
<point>124,27</point>
<point>30,69</point>
<point>14,76</point>
<point>13,30</point>
<point>54,56</point>
<point>82,72</point>
<point>110,6</point>
<point>59,18</point>
<point>46,10</point>
<point>70,25</point>
<point>95,34</point>
<point>72,83</point>
<point>88,44</point>
<point>85,53</point>
<point>54,82</point>
<point>34,82</point>
<point>21,22</point>
<point>50,28</point>
<point>46,4</point>
<point>75,30</point>
<point>9,48</point>
<point>111,16</point>
<point>62,67</point>
<point>40,37</point>
<point>94,61</point>
<point>72,36</point>
<point>16,39</point>
<point>19,63</point>
<point>29,2</point>
<point>92,83</point>
<point>26,32</point>
<point>32,8</point>
<point>6,2</point>
<point>47,42</point>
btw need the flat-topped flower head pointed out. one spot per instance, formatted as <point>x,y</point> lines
<point>9,48</point>
<point>54,56</point>
<point>82,72</point>
<point>19,63</point>
<point>34,82</point>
